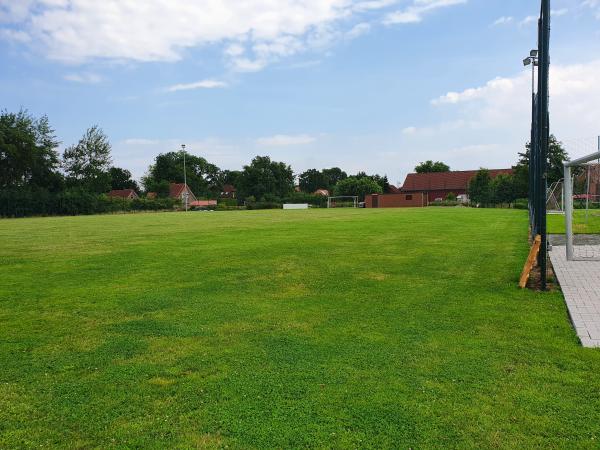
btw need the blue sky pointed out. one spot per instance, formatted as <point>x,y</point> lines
<point>374,85</point>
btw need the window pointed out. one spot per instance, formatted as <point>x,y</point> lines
<point>409,197</point>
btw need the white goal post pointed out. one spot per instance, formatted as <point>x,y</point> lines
<point>568,201</point>
<point>332,202</point>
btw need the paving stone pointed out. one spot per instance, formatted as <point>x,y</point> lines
<point>580,283</point>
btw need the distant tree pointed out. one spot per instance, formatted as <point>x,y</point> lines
<point>521,180</point>
<point>358,186</point>
<point>311,180</point>
<point>28,155</point>
<point>431,167</point>
<point>557,155</point>
<point>203,178</point>
<point>382,181</point>
<point>334,176</point>
<point>87,163</point>
<point>503,189</point>
<point>265,179</point>
<point>230,177</point>
<point>121,179</point>
<point>480,191</point>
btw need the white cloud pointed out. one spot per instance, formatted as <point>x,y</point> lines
<point>76,31</point>
<point>559,12</point>
<point>527,20</point>
<point>594,5</point>
<point>504,20</point>
<point>502,107</point>
<point>253,33</point>
<point>414,13</point>
<point>373,5</point>
<point>283,140</point>
<point>85,78</point>
<point>203,84</point>
<point>358,30</point>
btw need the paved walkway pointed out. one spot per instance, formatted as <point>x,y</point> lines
<point>580,283</point>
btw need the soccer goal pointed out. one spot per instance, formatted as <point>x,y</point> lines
<point>555,198</point>
<point>342,202</point>
<point>582,207</point>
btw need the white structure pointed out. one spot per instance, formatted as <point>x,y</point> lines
<point>342,201</point>
<point>295,206</point>
<point>568,183</point>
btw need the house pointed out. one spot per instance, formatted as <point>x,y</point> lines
<point>406,200</point>
<point>181,191</point>
<point>128,194</point>
<point>391,189</point>
<point>229,191</point>
<point>438,185</point>
<point>151,195</point>
<point>203,203</point>
<point>322,192</point>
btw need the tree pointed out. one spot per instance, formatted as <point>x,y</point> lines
<point>503,189</point>
<point>87,163</point>
<point>480,188</point>
<point>313,179</point>
<point>557,155</point>
<point>265,179</point>
<point>28,155</point>
<point>430,167</point>
<point>358,186</point>
<point>334,176</point>
<point>121,179</point>
<point>203,178</point>
<point>382,181</point>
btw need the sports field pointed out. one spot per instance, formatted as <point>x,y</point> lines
<point>278,329</point>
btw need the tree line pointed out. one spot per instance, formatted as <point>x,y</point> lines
<point>36,180</point>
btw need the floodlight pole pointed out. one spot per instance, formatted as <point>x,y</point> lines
<point>185,190</point>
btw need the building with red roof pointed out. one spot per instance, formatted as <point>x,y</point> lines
<point>438,185</point>
<point>181,191</point>
<point>128,194</point>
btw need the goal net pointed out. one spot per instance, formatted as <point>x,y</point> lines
<point>342,202</point>
<point>582,203</point>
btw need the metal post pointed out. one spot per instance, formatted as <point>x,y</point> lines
<point>185,192</point>
<point>569,211</point>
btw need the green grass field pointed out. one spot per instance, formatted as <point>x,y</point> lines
<point>581,224</point>
<point>278,329</point>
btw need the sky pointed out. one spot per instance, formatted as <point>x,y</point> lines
<point>365,85</point>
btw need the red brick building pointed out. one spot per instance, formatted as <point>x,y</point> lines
<point>439,184</point>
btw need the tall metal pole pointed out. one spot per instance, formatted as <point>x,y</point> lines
<point>185,191</point>
<point>544,133</point>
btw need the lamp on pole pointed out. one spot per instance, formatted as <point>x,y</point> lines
<point>533,61</point>
<point>185,192</point>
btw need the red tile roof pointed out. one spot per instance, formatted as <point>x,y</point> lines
<point>123,193</point>
<point>175,189</point>
<point>229,188</point>
<point>440,181</point>
<point>322,192</point>
<point>204,203</point>
<point>392,189</point>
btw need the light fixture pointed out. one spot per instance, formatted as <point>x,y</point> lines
<point>533,53</point>
<point>527,61</point>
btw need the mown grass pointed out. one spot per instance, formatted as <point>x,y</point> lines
<point>278,329</point>
<point>582,223</point>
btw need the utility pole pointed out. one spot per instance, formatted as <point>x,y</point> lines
<point>185,192</point>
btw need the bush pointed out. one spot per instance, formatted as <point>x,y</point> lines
<point>263,205</point>
<point>228,202</point>
<point>521,203</point>
<point>446,203</point>
<point>301,197</point>
<point>71,202</point>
